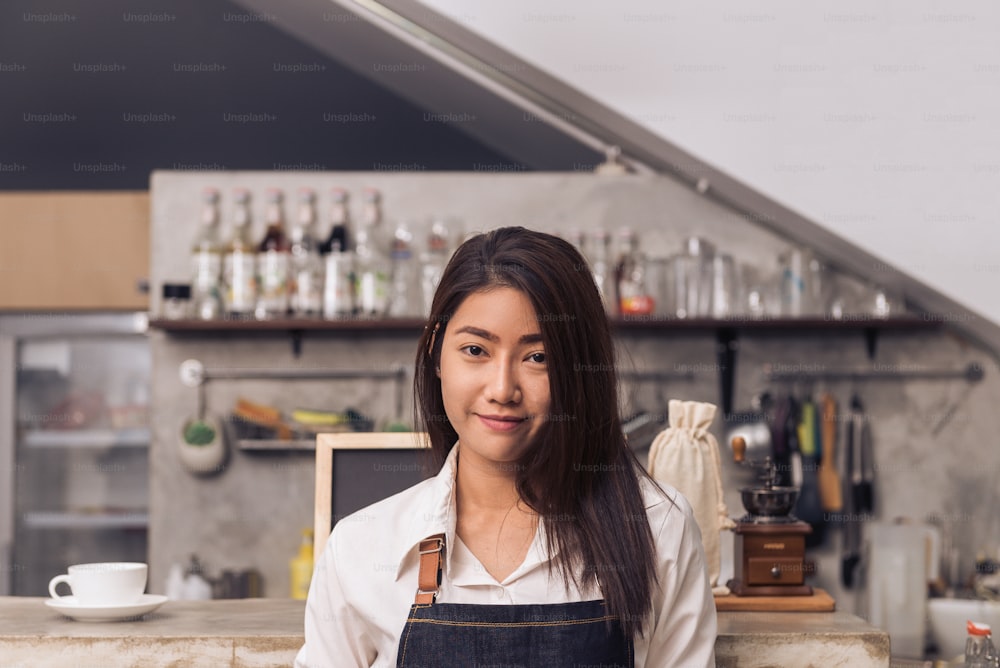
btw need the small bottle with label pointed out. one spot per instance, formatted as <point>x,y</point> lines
<point>272,261</point>
<point>633,295</point>
<point>372,269</point>
<point>301,567</point>
<point>306,275</point>
<point>405,298</point>
<point>340,223</point>
<point>206,260</point>
<point>338,283</point>
<point>239,261</point>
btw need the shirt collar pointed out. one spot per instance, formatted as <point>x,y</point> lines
<point>435,513</point>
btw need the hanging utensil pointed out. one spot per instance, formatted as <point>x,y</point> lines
<point>866,485</point>
<point>809,509</point>
<point>830,492</point>
<point>851,555</point>
<point>780,425</point>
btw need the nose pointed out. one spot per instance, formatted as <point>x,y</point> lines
<point>504,386</point>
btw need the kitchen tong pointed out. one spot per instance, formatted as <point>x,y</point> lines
<point>859,495</point>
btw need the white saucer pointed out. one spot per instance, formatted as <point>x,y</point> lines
<point>69,606</point>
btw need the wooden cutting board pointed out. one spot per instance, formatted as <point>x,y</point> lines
<point>820,601</point>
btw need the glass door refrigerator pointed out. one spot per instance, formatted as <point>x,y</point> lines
<point>74,444</point>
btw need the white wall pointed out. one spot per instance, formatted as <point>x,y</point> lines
<point>880,121</point>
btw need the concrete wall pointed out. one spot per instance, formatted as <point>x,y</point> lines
<point>932,439</point>
<point>873,120</point>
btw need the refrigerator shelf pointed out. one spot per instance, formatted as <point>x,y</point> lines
<point>137,437</point>
<point>86,520</point>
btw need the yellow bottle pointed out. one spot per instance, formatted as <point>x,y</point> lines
<point>301,567</point>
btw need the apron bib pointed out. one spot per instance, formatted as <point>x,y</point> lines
<point>454,635</point>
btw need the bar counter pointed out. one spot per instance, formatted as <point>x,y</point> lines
<point>258,633</point>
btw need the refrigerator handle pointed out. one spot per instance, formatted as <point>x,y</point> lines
<point>8,464</point>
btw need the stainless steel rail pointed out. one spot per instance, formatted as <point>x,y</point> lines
<point>194,374</point>
<point>973,373</point>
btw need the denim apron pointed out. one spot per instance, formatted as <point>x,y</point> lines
<point>455,635</point>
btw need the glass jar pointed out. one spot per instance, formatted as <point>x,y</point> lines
<point>176,301</point>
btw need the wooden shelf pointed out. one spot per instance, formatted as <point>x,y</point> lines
<point>405,325</point>
<point>726,331</point>
<point>629,323</point>
<point>775,325</point>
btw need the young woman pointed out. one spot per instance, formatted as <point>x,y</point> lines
<point>541,542</point>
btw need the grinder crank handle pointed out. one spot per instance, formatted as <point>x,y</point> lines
<point>739,449</point>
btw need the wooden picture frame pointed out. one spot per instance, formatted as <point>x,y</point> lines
<point>327,445</point>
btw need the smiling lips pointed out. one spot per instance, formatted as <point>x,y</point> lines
<point>502,422</point>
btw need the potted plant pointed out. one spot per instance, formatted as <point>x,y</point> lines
<point>201,446</point>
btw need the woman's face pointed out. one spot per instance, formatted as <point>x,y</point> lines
<point>494,381</point>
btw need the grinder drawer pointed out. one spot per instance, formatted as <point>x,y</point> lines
<point>774,571</point>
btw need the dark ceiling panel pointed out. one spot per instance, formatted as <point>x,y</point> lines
<point>97,95</point>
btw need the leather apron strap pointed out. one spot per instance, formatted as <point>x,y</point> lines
<point>429,577</point>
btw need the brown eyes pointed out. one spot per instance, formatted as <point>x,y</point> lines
<point>477,351</point>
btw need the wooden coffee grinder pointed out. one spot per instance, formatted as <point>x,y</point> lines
<point>770,542</point>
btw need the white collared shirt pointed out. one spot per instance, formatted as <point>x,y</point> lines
<point>366,578</point>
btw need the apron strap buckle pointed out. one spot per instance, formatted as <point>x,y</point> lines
<point>429,577</point>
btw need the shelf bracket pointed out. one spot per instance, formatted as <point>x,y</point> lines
<point>871,342</point>
<point>727,344</point>
<point>296,335</point>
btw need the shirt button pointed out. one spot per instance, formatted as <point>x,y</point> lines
<point>501,593</point>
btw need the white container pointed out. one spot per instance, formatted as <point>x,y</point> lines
<point>897,589</point>
<point>948,617</point>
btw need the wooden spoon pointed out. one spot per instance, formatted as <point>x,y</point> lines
<point>830,492</point>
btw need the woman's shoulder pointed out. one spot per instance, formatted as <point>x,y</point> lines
<point>666,507</point>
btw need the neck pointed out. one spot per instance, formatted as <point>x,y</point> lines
<point>484,486</point>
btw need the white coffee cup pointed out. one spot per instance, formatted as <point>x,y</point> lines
<point>109,583</point>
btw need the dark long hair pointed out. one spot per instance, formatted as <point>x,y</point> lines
<point>579,475</point>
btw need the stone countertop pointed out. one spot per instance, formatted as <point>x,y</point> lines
<point>791,639</point>
<point>246,633</point>
<point>252,633</point>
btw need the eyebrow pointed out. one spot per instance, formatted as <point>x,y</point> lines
<point>490,336</point>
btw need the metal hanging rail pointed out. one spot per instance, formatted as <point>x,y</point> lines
<point>194,374</point>
<point>656,376</point>
<point>973,373</point>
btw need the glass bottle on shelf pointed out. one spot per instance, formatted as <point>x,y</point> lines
<point>602,268</point>
<point>338,283</point>
<point>176,301</point>
<point>372,270</point>
<point>433,263</point>
<point>633,295</point>
<point>239,260</point>
<point>340,222</point>
<point>405,297</point>
<point>272,261</point>
<point>692,279</point>
<point>206,260</point>
<point>306,275</point>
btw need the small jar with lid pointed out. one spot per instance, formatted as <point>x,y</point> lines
<point>176,301</point>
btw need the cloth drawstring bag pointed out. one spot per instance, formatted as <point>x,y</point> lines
<point>686,456</point>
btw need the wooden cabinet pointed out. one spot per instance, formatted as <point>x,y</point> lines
<point>74,250</point>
